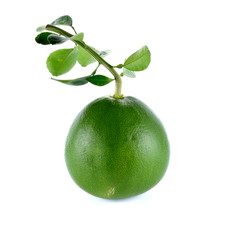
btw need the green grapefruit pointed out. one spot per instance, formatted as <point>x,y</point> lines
<point>116,148</point>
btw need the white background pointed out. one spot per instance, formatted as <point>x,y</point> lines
<point>191,84</point>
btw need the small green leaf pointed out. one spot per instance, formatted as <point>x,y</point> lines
<point>41,28</point>
<point>62,61</point>
<point>119,66</point>
<point>99,80</point>
<point>73,82</point>
<point>56,39</point>
<point>42,38</point>
<point>128,73</point>
<point>94,72</point>
<point>139,60</point>
<point>78,37</point>
<point>84,57</point>
<point>105,53</point>
<point>63,20</point>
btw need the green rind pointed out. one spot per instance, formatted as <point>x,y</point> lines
<point>116,148</point>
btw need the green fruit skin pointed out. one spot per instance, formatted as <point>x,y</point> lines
<point>116,148</point>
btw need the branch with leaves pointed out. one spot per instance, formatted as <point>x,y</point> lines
<point>63,60</point>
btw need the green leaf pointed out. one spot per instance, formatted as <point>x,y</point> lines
<point>41,28</point>
<point>99,80</point>
<point>139,60</point>
<point>73,82</point>
<point>56,39</point>
<point>78,37</point>
<point>62,61</point>
<point>46,38</point>
<point>84,57</point>
<point>105,53</point>
<point>119,66</point>
<point>128,73</point>
<point>94,72</point>
<point>63,20</point>
<point>42,38</point>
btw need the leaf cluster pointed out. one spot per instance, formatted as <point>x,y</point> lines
<point>62,61</point>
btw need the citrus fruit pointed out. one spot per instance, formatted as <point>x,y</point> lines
<point>116,148</point>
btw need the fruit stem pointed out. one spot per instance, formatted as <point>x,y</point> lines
<point>118,80</point>
<point>118,87</point>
